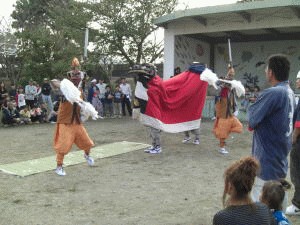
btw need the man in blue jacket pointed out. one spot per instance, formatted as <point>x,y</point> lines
<point>271,118</point>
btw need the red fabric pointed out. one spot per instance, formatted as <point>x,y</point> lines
<point>297,124</point>
<point>176,100</point>
<point>224,92</point>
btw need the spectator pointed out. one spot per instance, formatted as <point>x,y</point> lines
<point>239,208</point>
<point>3,93</point>
<point>294,208</point>
<point>273,195</point>
<point>94,96</point>
<point>36,115</point>
<point>21,99</point>
<point>102,89</point>
<point>52,117</point>
<point>271,117</point>
<point>30,92</point>
<point>109,102</point>
<point>117,102</point>
<point>255,94</point>
<point>126,90</point>
<point>38,97</point>
<point>44,113</point>
<point>46,94</point>
<point>10,115</point>
<point>25,115</point>
<point>245,102</point>
<point>13,92</point>
<point>177,71</point>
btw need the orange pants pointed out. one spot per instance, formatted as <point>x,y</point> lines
<point>68,134</point>
<point>223,127</point>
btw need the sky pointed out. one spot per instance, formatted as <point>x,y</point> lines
<point>7,5</point>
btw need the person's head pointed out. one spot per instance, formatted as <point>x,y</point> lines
<point>230,73</point>
<point>2,84</point>
<point>46,80</point>
<point>239,178</point>
<point>278,68</point>
<point>273,193</point>
<point>10,105</point>
<point>117,88</point>
<point>13,86</point>
<point>21,90</point>
<point>30,82</point>
<point>123,80</point>
<point>256,89</point>
<point>108,88</point>
<point>75,76</point>
<point>177,71</point>
<point>101,81</point>
<point>93,82</point>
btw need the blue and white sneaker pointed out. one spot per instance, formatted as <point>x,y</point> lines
<point>156,150</point>
<point>196,142</point>
<point>149,149</point>
<point>60,171</point>
<point>89,160</point>
<point>223,151</point>
<point>186,140</point>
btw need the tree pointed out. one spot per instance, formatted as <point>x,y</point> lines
<point>125,26</point>
<point>10,64</point>
<point>50,33</point>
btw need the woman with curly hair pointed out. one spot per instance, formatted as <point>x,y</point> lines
<point>239,207</point>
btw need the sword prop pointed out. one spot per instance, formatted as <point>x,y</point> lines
<point>230,55</point>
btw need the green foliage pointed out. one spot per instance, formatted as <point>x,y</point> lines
<point>125,26</point>
<point>50,33</point>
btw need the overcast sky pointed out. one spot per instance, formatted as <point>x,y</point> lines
<point>7,5</point>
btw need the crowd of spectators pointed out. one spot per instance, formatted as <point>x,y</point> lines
<point>39,104</point>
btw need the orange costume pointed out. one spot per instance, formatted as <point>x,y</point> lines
<point>69,129</point>
<point>226,122</point>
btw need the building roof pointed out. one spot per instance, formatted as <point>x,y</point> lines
<point>249,13</point>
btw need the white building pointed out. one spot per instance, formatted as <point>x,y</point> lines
<point>257,30</point>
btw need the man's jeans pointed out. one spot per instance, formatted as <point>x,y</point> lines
<point>47,100</point>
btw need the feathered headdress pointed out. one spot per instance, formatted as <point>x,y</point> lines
<point>75,63</point>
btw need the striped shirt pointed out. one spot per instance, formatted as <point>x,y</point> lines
<point>244,215</point>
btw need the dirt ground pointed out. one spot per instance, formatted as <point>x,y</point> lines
<point>182,185</point>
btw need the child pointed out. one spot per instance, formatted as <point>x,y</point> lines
<point>109,102</point>
<point>117,102</point>
<point>25,115</point>
<point>21,99</point>
<point>273,195</point>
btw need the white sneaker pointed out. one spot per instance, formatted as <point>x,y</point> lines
<point>186,140</point>
<point>156,150</point>
<point>223,151</point>
<point>89,160</point>
<point>60,171</point>
<point>149,149</point>
<point>292,210</point>
<point>197,142</point>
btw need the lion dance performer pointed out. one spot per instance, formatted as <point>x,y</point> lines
<point>226,107</point>
<point>174,105</point>
<point>72,111</point>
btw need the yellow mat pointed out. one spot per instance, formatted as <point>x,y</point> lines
<point>48,163</point>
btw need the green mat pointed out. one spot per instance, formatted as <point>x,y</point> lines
<point>45,164</point>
